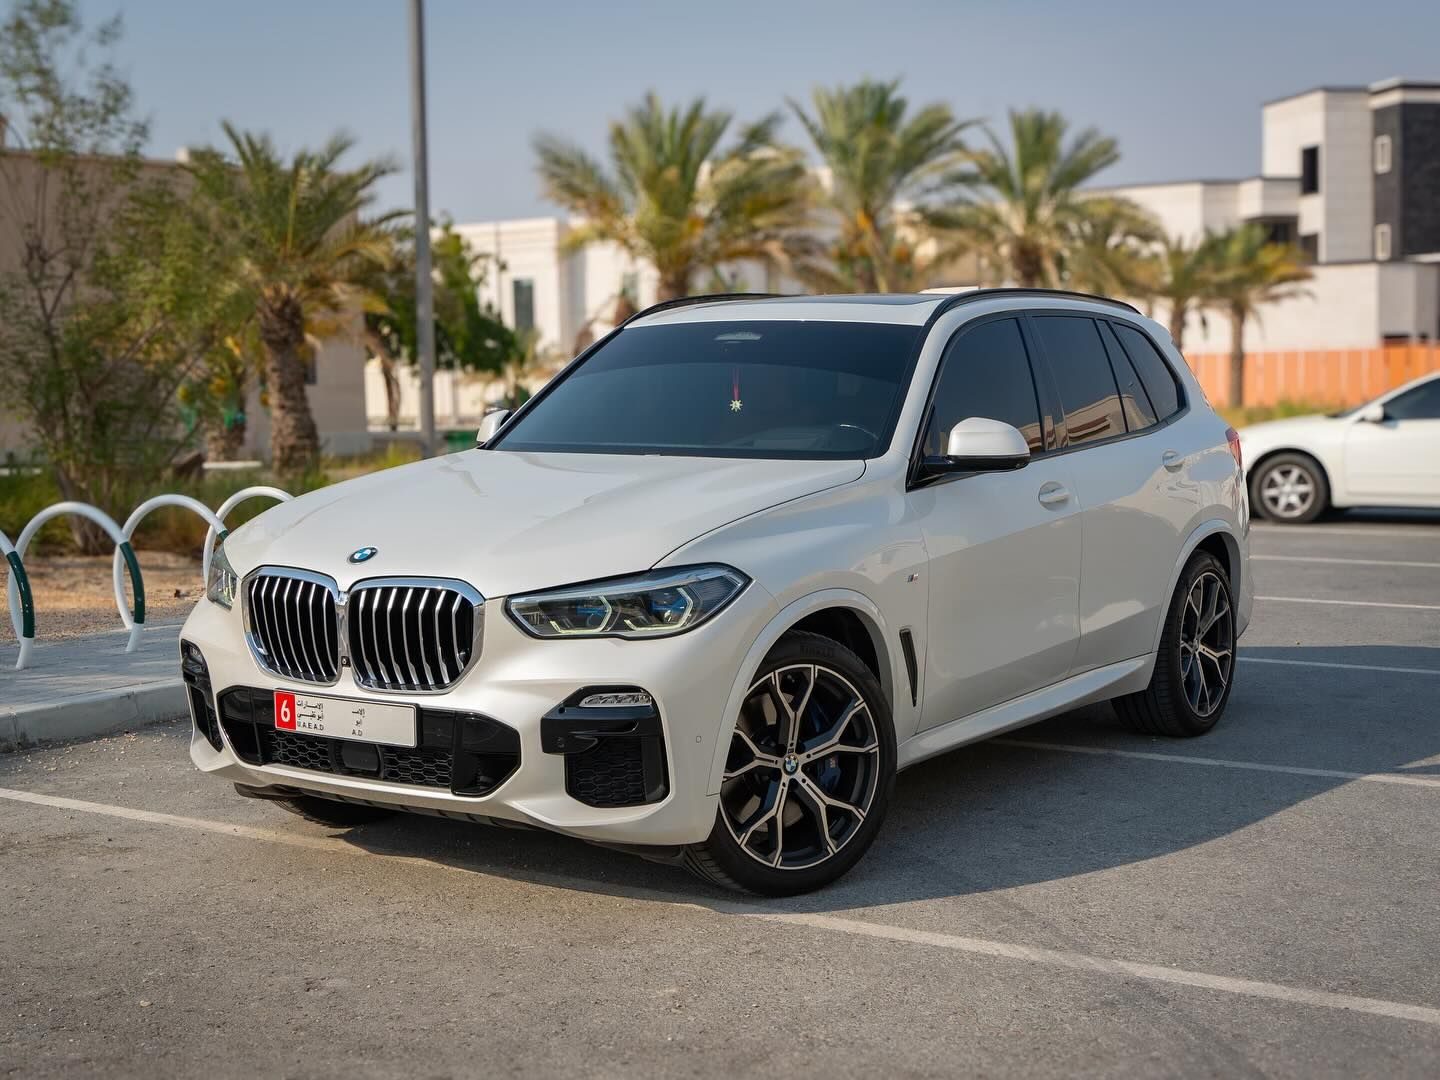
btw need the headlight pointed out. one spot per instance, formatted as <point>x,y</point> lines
<point>657,604</point>
<point>223,583</point>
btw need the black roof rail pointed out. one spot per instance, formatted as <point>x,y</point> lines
<point>687,301</point>
<point>956,299</point>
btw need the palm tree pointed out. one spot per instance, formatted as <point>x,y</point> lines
<point>1021,206</point>
<point>881,159</point>
<point>1250,271</point>
<point>1183,275</point>
<point>299,254</point>
<point>1111,249</point>
<point>673,197</point>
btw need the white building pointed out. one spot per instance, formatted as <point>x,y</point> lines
<point>1351,175</point>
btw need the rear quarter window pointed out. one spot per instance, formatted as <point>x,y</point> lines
<point>1155,374</point>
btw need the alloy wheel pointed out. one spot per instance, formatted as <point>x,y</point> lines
<point>803,767</point>
<point>1288,491</point>
<point>1207,644</point>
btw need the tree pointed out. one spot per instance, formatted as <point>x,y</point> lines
<point>881,159</point>
<point>524,359</point>
<point>1183,275</point>
<point>1249,272</point>
<point>1021,207</point>
<point>108,303</point>
<point>469,336</point>
<point>299,253</point>
<point>673,197</point>
<point>1111,250</point>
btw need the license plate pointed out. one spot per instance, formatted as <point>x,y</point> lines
<point>345,718</point>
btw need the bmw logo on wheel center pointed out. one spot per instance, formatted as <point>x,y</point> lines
<point>364,554</point>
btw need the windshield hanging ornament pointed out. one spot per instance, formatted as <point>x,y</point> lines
<point>735,403</point>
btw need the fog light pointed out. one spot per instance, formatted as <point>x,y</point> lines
<point>621,699</point>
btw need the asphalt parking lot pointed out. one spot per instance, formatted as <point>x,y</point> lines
<point>1074,900</point>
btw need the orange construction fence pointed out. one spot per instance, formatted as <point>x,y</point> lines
<point>1318,376</point>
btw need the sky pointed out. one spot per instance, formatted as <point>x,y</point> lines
<point>1178,84</point>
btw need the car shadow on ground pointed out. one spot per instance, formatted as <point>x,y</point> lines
<point>1001,814</point>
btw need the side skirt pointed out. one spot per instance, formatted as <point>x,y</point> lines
<point>1090,686</point>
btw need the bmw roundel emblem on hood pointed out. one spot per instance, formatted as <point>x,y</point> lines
<point>364,554</point>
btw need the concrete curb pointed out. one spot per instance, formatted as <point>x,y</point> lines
<point>91,715</point>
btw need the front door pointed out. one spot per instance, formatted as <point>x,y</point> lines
<point>1004,547</point>
<point>1397,461</point>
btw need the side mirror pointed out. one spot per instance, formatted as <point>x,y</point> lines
<point>490,423</point>
<point>1374,413</point>
<point>979,444</point>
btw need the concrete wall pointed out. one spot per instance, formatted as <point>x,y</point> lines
<point>1347,179</point>
<point>1349,306</point>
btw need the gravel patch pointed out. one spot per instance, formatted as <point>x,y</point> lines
<point>74,598</point>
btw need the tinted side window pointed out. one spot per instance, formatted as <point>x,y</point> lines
<point>1154,372</point>
<point>1422,403</point>
<point>985,372</point>
<point>1138,411</point>
<point>1083,377</point>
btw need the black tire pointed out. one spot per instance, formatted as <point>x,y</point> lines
<point>1166,706</point>
<point>721,859</point>
<point>331,812</point>
<point>1272,471</point>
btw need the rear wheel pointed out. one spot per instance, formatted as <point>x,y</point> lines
<point>1290,487</point>
<point>809,775</point>
<point>1194,666</point>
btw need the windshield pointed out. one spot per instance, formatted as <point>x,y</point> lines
<point>762,389</point>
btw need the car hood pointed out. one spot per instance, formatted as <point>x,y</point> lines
<point>513,522</point>
<point>1287,431</point>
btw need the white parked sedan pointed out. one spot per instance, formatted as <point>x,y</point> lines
<point>1383,453</point>
<point>736,566</point>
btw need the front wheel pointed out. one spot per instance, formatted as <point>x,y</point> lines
<point>1195,663</point>
<point>809,775</point>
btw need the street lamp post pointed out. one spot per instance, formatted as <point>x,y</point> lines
<point>424,284</point>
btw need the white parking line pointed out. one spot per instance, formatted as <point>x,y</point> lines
<point>1125,969</point>
<point>1341,667</point>
<point>1343,562</point>
<point>1122,968</point>
<point>1417,531</point>
<point>1225,763</point>
<point>1348,603</point>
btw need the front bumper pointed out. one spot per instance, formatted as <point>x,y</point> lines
<point>517,681</point>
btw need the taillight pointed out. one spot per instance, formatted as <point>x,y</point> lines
<point>1233,438</point>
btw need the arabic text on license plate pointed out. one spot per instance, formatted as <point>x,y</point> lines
<point>345,718</point>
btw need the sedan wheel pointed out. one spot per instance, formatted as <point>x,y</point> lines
<point>1291,488</point>
<point>808,775</point>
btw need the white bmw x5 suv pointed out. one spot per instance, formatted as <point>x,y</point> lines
<point>745,559</point>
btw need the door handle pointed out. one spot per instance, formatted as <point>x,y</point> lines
<point>1053,494</point>
<point>1171,460</point>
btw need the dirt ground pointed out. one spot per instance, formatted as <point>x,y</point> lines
<point>74,597</point>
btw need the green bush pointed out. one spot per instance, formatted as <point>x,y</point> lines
<point>169,528</point>
<point>1258,414</point>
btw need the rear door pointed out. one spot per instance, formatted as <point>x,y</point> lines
<point>1130,467</point>
<point>1397,461</point>
<point>1004,547</point>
